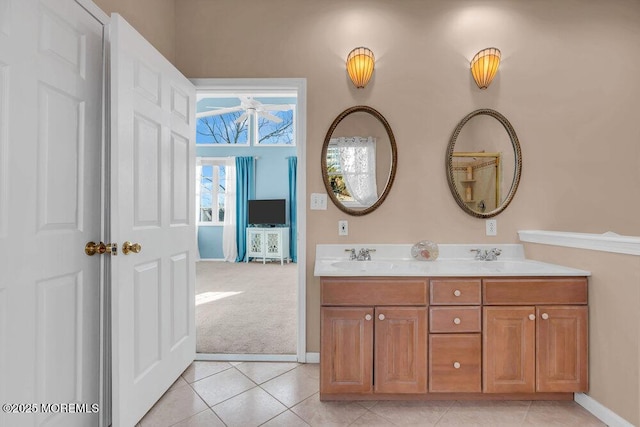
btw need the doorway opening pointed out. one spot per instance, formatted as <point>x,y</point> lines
<point>250,193</point>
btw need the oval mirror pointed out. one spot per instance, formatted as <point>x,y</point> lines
<point>358,160</point>
<point>483,163</point>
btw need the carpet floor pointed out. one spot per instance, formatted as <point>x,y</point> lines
<point>246,308</point>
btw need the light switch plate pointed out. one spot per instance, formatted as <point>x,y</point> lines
<point>318,202</point>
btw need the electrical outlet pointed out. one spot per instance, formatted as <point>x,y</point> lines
<point>492,227</point>
<point>343,228</point>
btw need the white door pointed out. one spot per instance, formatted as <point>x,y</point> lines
<point>50,160</point>
<point>152,204</point>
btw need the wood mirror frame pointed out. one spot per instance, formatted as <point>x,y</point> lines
<point>502,205</point>
<point>393,166</point>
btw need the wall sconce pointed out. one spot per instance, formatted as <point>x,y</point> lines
<point>484,66</point>
<point>360,62</point>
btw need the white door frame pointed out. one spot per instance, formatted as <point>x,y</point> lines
<point>233,86</point>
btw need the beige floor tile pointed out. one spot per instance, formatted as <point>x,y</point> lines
<point>260,372</point>
<point>409,413</point>
<point>367,403</point>
<point>286,419</point>
<point>549,413</point>
<point>486,413</point>
<point>310,369</point>
<point>250,408</point>
<point>222,386</point>
<point>180,382</point>
<point>203,419</point>
<point>173,406</point>
<point>318,413</point>
<point>369,419</point>
<point>294,386</point>
<point>202,369</point>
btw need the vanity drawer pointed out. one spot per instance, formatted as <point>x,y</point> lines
<point>455,319</point>
<point>348,291</point>
<point>456,292</point>
<point>571,290</point>
<point>455,363</point>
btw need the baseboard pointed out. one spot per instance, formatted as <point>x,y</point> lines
<point>313,357</point>
<point>223,357</point>
<point>603,413</point>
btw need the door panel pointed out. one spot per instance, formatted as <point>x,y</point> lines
<point>51,77</point>
<point>400,350</point>
<point>509,350</point>
<point>152,190</point>
<point>562,336</point>
<point>347,350</point>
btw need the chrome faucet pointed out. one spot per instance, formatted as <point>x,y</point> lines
<point>492,254</point>
<point>481,254</point>
<point>364,254</point>
<point>486,255</point>
<point>352,253</point>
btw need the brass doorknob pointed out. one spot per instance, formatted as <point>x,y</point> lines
<point>92,248</point>
<point>131,247</point>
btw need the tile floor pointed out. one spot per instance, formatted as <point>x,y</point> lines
<point>249,394</point>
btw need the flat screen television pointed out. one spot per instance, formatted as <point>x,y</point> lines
<point>267,212</point>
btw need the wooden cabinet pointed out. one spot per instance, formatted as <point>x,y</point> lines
<point>349,360</point>
<point>535,348</point>
<point>561,358</point>
<point>346,356</point>
<point>400,350</point>
<point>268,243</point>
<point>522,338</point>
<point>455,356</point>
<point>509,350</point>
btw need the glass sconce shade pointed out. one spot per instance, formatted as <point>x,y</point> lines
<point>360,63</point>
<point>484,66</point>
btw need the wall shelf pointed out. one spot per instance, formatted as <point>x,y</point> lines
<point>607,242</point>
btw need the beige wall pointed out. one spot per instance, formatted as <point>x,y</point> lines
<point>567,83</point>
<point>154,19</point>
<point>614,324</point>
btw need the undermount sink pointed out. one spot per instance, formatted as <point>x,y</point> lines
<point>364,265</point>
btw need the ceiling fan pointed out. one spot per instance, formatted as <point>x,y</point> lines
<point>251,107</point>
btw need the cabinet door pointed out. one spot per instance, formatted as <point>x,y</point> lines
<point>346,350</point>
<point>400,350</point>
<point>273,243</point>
<point>509,349</point>
<point>561,360</point>
<point>255,245</point>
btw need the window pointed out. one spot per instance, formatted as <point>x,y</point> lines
<point>211,197</point>
<point>223,129</point>
<point>244,120</point>
<point>351,169</point>
<point>270,132</point>
<point>334,172</point>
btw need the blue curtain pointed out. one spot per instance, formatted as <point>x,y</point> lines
<point>293,217</point>
<point>245,190</point>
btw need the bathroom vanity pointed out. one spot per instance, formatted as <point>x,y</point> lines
<point>454,328</point>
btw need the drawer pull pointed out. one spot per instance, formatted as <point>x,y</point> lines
<point>456,365</point>
<point>532,317</point>
<point>456,321</point>
<point>457,293</point>
<point>545,316</point>
<point>381,316</point>
<point>367,317</point>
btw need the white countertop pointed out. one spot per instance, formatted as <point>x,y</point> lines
<point>454,261</point>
